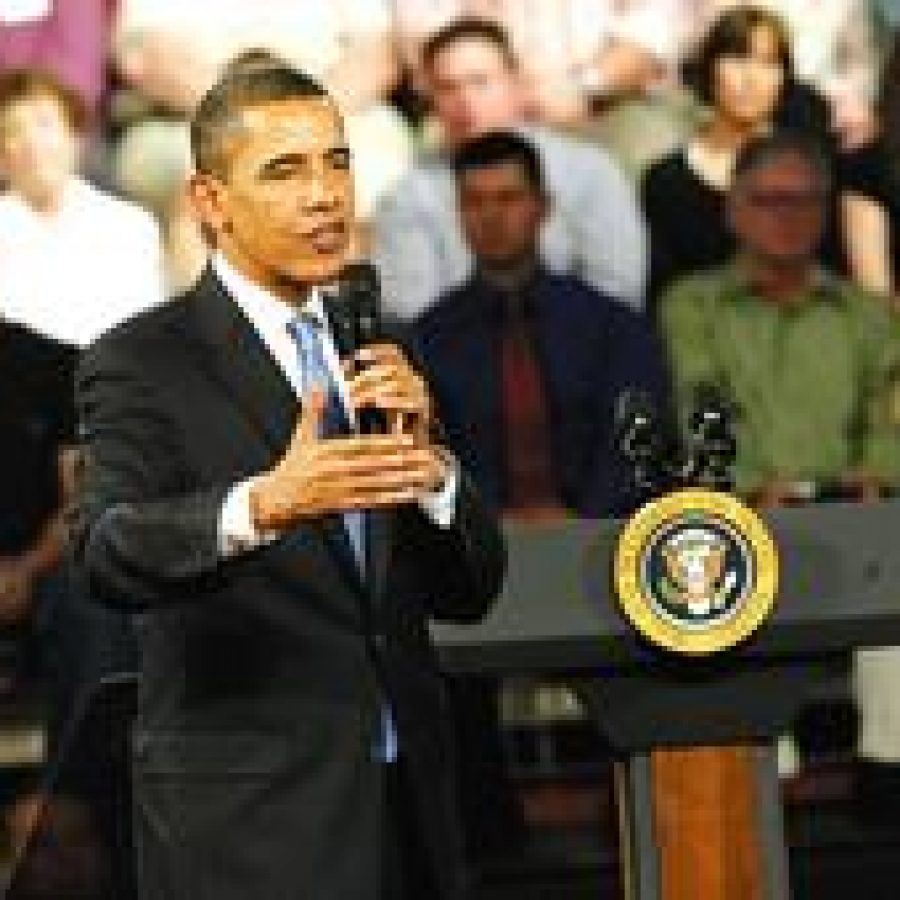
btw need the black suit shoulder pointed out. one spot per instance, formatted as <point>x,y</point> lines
<point>150,329</point>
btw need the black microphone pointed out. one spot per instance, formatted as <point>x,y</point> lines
<point>711,438</point>
<point>354,313</point>
<point>637,437</point>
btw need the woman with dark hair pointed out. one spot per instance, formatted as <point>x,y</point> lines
<point>743,74</point>
<point>870,195</point>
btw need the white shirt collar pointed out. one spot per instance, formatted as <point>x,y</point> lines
<point>270,317</point>
<point>261,305</point>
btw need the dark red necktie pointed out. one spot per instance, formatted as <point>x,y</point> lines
<point>530,480</point>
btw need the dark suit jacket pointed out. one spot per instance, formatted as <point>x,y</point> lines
<point>589,348</point>
<point>263,675</point>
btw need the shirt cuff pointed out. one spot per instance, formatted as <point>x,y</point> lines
<point>440,506</point>
<point>237,533</point>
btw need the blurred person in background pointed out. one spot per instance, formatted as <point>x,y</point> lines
<point>75,261</point>
<point>475,85</point>
<point>870,194</point>
<point>757,331</point>
<point>69,38</point>
<point>602,68</point>
<point>835,49</point>
<point>742,73</point>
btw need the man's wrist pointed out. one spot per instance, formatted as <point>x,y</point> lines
<point>239,531</point>
<point>262,502</point>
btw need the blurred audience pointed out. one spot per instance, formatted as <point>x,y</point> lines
<point>69,38</point>
<point>527,364</point>
<point>75,261</point>
<point>870,198</point>
<point>742,74</point>
<point>595,230</point>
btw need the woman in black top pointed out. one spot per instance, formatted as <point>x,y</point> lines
<point>743,73</point>
<point>870,196</point>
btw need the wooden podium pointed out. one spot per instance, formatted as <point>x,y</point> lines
<point>698,789</point>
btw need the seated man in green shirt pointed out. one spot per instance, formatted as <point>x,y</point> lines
<point>810,364</point>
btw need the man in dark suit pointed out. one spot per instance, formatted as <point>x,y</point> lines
<point>527,365</point>
<point>290,741</point>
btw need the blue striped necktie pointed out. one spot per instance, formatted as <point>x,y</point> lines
<point>307,334</point>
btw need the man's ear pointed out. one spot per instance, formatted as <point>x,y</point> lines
<point>206,195</point>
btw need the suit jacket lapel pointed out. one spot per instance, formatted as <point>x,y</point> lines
<point>238,359</point>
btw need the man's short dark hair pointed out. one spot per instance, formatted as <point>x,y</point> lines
<point>497,148</point>
<point>761,151</point>
<point>238,88</point>
<point>21,85</point>
<point>469,28</point>
<point>731,34</point>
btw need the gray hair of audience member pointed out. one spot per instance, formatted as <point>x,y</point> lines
<point>764,150</point>
<point>469,28</point>
<point>498,148</point>
<point>241,86</point>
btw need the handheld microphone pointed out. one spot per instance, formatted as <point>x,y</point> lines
<point>354,313</point>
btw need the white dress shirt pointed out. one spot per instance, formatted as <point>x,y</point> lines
<point>75,273</point>
<point>270,317</point>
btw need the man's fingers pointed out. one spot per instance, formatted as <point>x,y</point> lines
<point>372,490</point>
<point>335,467</point>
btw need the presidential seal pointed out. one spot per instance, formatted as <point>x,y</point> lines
<point>696,571</point>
